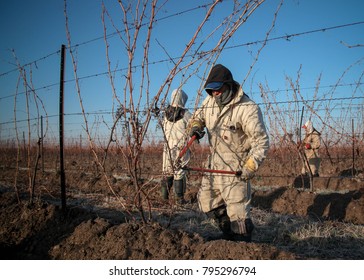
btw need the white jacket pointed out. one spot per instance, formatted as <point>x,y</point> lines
<point>237,135</point>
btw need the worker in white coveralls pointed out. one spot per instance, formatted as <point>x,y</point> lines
<point>175,122</point>
<point>311,144</point>
<point>238,141</point>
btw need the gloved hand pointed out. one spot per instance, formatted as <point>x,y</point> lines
<point>248,170</point>
<point>247,173</point>
<point>198,131</point>
<point>308,146</point>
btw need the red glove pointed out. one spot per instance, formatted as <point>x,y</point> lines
<point>308,146</point>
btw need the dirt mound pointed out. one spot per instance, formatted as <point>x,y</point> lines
<point>98,239</point>
<point>347,207</point>
<point>43,231</point>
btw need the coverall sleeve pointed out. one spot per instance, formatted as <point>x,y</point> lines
<point>256,131</point>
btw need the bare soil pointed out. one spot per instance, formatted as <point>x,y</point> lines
<point>96,225</point>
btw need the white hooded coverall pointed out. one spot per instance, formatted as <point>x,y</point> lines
<point>237,136</point>
<point>176,137</point>
<point>311,144</point>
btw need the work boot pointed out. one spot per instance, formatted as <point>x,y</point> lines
<point>219,215</point>
<point>242,230</point>
<point>166,186</point>
<point>179,190</point>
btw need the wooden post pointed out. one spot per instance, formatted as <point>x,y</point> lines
<point>61,129</point>
<point>41,143</point>
<point>303,155</point>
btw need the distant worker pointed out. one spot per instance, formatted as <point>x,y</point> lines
<point>175,122</point>
<point>311,144</point>
<point>238,141</point>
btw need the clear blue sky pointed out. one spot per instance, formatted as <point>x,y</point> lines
<point>36,29</point>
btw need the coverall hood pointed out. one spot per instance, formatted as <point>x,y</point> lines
<point>218,76</point>
<point>179,98</point>
<point>308,126</point>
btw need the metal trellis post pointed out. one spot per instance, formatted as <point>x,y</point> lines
<point>61,129</point>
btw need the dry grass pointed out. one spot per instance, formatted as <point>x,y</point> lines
<point>310,238</point>
<point>307,238</point>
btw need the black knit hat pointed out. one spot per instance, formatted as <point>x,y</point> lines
<point>218,76</point>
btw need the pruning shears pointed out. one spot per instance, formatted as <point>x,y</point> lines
<point>177,163</point>
<point>198,169</point>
